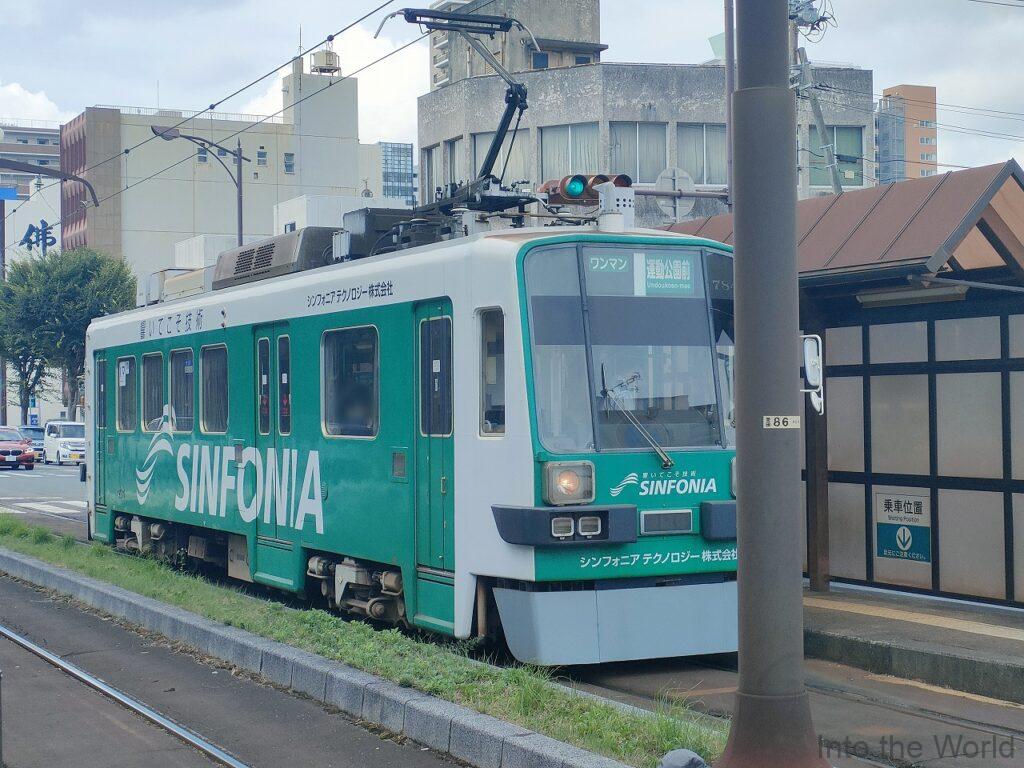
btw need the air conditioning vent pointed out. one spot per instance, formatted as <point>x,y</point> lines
<point>296,251</point>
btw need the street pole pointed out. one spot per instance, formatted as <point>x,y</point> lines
<point>3,278</point>
<point>771,725</point>
<point>238,183</point>
<point>730,87</point>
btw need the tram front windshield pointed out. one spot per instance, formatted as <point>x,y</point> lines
<point>630,340</point>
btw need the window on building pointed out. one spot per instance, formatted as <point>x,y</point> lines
<point>492,372</point>
<point>284,385</point>
<point>517,154</point>
<point>289,227</point>
<point>566,149</point>
<point>289,162</point>
<point>261,157</point>
<point>540,60</point>
<point>638,149</point>
<point>42,141</point>
<point>201,155</point>
<point>848,144</point>
<point>213,399</point>
<point>23,141</point>
<point>182,390</point>
<point>432,176</point>
<point>152,391</point>
<point>455,161</point>
<point>929,156</point>
<point>349,365</point>
<point>926,123</point>
<point>929,140</point>
<point>263,385</point>
<point>127,395</point>
<point>582,59</point>
<point>101,394</point>
<point>702,152</point>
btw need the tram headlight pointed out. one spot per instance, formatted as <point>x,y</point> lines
<point>568,482</point>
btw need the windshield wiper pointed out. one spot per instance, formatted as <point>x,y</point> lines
<point>607,394</point>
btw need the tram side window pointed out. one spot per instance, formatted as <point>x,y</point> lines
<point>284,387</point>
<point>213,369</point>
<point>101,394</point>
<point>152,391</point>
<point>350,364</point>
<point>492,372</point>
<point>182,390</point>
<point>436,376</point>
<point>263,384</point>
<point>127,395</point>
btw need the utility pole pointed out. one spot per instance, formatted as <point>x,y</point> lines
<point>3,279</point>
<point>771,725</point>
<point>730,87</point>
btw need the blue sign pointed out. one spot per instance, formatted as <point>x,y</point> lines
<point>8,193</point>
<point>33,419</point>
<point>903,528</point>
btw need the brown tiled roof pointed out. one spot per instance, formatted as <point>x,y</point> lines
<point>960,220</point>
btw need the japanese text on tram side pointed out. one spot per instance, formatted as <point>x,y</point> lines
<point>172,324</point>
<point>379,290</point>
<point>660,558</point>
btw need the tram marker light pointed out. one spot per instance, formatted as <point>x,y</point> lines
<point>589,526</point>
<point>563,527</point>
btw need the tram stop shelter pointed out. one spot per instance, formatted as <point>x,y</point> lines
<point>914,477</point>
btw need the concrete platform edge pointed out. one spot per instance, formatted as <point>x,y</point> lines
<point>918,661</point>
<point>481,740</point>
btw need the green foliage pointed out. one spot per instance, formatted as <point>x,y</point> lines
<point>520,694</point>
<point>23,302</point>
<point>56,296</point>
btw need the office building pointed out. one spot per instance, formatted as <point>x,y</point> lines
<point>907,137</point>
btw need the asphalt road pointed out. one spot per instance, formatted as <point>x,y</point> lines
<point>48,494</point>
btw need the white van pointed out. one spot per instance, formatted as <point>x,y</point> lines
<point>64,441</point>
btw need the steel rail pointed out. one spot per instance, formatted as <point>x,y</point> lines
<point>189,737</point>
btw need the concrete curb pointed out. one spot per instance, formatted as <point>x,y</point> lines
<point>478,739</point>
<point>998,678</point>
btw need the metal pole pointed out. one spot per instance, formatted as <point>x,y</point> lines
<point>3,278</point>
<point>771,725</point>
<point>827,143</point>
<point>730,87</point>
<point>238,184</point>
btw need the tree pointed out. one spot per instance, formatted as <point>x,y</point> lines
<point>80,285</point>
<point>23,303</point>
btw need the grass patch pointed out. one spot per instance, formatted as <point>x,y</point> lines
<point>518,694</point>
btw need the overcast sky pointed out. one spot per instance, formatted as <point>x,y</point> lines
<point>61,56</point>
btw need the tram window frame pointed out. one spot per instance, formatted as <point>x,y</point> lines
<point>446,412</point>
<point>147,417</point>
<point>191,389</point>
<point>202,387</point>
<point>100,389</point>
<point>127,425</point>
<point>495,431</point>
<point>284,384</point>
<point>263,417</point>
<point>375,388</point>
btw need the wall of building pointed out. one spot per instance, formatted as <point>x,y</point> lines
<point>908,136</point>
<point>604,96</point>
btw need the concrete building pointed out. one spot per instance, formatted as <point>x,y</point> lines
<point>397,167</point>
<point>155,193</point>
<point>568,38</point>
<point>36,142</point>
<point>637,119</point>
<point>907,140</point>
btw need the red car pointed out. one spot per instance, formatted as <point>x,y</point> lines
<point>15,450</point>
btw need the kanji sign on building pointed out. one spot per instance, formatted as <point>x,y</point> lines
<point>39,237</point>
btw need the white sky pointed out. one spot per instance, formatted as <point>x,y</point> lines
<point>63,55</point>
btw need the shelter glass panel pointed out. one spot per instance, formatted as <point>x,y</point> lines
<point>899,342</point>
<point>1017,429</point>
<point>350,362</point>
<point>899,424</point>
<point>1018,546</point>
<point>845,423</point>
<point>967,338</point>
<point>844,346</point>
<point>846,534</point>
<point>1016,335</point>
<point>971,543</point>
<point>970,434</point>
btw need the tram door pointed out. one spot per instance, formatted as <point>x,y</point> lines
<point>273,418</point>
<point>99,415</point>
<point>435,530</point>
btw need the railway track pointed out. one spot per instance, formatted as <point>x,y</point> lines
<point>189,737</point>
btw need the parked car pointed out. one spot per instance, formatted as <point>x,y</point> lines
<point>64,441</point>
<point>15,450</point>
<point>35,434</point>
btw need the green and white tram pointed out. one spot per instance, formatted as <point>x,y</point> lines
<point>525,431</point>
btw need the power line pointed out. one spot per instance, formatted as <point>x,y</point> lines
<point>215,104</point>
<point>996,2</point>
<point>940,105</point>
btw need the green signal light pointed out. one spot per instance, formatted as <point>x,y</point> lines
<point>576,187</point>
